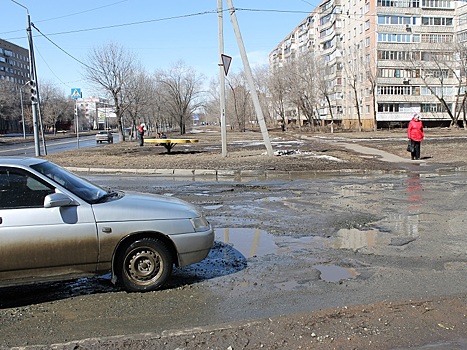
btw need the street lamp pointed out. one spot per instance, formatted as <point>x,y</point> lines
<point>33,77</point>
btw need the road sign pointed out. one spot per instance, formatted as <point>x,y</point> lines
<point>226,60</point>
<point>76,93</point>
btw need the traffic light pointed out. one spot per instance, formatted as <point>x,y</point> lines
<point>33,86</point>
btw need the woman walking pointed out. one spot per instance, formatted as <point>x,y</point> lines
<point>415,134</point>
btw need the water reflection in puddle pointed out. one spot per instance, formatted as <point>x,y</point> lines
<point>248,241</point>
<point>356,239</point>
<point>332,273</point>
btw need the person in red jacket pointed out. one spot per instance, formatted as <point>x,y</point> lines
<point>415,134</point>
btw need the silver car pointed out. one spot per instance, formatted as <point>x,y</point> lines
<point>106,136</point>
<point>55,225</point>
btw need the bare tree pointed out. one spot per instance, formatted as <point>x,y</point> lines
<point>10,112</point>
<point>461,50</point>
<point>238,104</point>
<point>110,68</point>
<point>55,106</point>
<point>307,85</point>
<point>212,107</point>
<point>371,75</point>
<point>261,76</point>
<point>354,71</point>
<point>180,89</point>
<point>279,89</point>
<point>139,97</point>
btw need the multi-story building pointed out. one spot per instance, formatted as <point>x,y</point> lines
<point>384,60</point>
<point>97,113</point>
<point>14,63</point>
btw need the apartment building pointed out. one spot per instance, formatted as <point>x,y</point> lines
<point>14,63</point>
<point>383,60</point>
<point>97,113</point>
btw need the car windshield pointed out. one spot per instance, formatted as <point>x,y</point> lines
<point>75,184</point>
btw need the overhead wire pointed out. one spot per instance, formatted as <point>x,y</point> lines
<point>47,37</point>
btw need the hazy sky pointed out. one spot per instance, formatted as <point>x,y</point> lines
<point>159,33</point>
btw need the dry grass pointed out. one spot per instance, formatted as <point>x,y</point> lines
<point>246,151</point>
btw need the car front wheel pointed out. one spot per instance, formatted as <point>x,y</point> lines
<point>145,265</point>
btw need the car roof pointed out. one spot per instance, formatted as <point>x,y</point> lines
<point>20,161</point>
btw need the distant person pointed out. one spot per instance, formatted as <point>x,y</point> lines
<point>415,134</point>
<point>140,134</point>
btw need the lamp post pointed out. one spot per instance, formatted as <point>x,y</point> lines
<point>33,84</point>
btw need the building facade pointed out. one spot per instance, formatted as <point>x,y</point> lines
<point>14,63</point>
<point>97,113</point>
<point>384,60</point>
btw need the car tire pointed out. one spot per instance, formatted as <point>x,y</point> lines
<point>145,265</point>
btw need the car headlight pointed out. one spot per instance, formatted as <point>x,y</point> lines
<point>200,224</point>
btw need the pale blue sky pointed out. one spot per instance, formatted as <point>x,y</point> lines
<point>159,33</point>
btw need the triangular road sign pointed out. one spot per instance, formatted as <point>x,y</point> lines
<point>226,60</point>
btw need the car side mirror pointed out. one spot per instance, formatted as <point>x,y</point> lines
<point>58,200</point>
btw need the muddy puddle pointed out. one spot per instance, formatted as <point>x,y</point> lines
<point>251,243</point>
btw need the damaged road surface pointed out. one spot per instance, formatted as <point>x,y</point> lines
<point>282,246</point>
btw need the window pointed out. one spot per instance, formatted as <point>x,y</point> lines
<point>388,107</point>
<point>437,38</point>
<point>438,4</point>
<point>398,38</point>
<point>394,90</point>
<point>432,107</point>
<point>18,189</point>
<point>367,7</point>
<point>399,3</point>
<point>437,21</point>
<point>386,19</point>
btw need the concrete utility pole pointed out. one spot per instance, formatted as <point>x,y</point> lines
<point>32,83</point>
<point>249,77</point>
<point>222,78</point>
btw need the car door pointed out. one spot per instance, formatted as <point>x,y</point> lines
<point>42,243</point>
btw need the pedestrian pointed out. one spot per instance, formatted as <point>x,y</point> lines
<point>140,134</point>
<point>415,134</point>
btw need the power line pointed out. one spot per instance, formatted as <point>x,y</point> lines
<point>69,15</point>
<point>68,54</point>
<point>164,19</point>
<point>81,12</point>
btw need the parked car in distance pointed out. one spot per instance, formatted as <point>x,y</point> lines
<point>55,225</point>
<point>104,135</point>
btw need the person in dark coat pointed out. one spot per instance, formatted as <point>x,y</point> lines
<point>415,134</point>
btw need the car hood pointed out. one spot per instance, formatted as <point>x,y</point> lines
<point>135,207</point>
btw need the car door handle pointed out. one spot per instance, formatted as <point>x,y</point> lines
<point>1,220</point>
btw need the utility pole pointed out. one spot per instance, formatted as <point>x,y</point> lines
<point>34,94</point>
<point>249,77</point>
<point>222,78</point>
<point>32,83</point>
